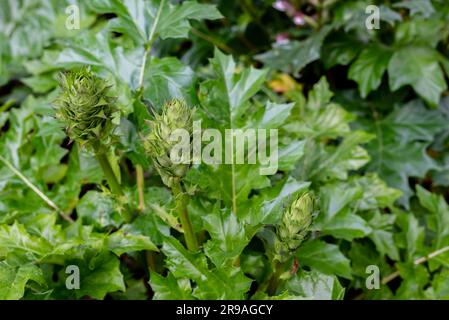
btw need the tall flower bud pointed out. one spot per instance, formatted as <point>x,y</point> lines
<point>86,109</point>
<point>294,226</point>
<point>175,115</point>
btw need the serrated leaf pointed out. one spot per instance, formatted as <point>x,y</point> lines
<point>98,209</point>
<point>100,277</point>
<point>167,78</point>
<point>212,284</point>
<point>422,7</point>
<point>420,32</point>
<point>120,242</point>
<point>369,68</point>
<point>228,238</point>
<point>170,288</point>
<point>315,285</point>
<point>298,54</point>
<point>399,151</point>
<point>98,50</point>
<point>437,206</point>
<point>14,278</point>
<point>324,257</point>
<point>418,67</point>
<point>142,19</point>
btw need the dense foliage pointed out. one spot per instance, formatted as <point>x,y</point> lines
<point>86,179</point>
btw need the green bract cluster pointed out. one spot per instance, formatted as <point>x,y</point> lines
<point>175,115</point>
<point>86,108</point>
<point>294,226</point>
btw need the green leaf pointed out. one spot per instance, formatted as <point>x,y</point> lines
<point>99,51</point>
<point>120,242</point>
<point>412,235</point>
<point>369,68</point>
<point>399,151</point>
<point>421,32</point>
<point>141,19</point>
<point>97,208</point>
<point>345,225</point>
<point>228,237</point>
<point>324,257</point>
<point>418,67</point>
<point>340,49</point>
<point>268,207</point>
<point>376,193</point>
<point>101,276</point>
<point>13,279</point>
<point>151,224</point>
<point>227,104</point>
<point>169,288</point>
<point>437,206</point>
<point>274,115</point>
<point>417,7</point>
<point>336,162</point>
<point>174,19</point>
<point>414,121</point>
<point>382,235</point>
<point>440,285</point>
<point>211,284</point>
<point>414,280</point>
<point>183,263</point>
<point>295,55</point>
<point>167,78</point>
<point>16,239</point>
<point>234,89</point>
<point>315,285</point>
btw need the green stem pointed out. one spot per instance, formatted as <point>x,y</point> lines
<point>275,279</point>
<point>109,174</point>
<point>223,46</point>
<point>148,45</point>
<point>140,186</point>
<point>150,258</point>
<point>113,183</point>
<point>181,206</point>
<point>47,200</point>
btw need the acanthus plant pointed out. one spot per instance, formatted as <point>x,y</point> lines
<point>162,230</point>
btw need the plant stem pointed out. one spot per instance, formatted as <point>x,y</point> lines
<point>181,206</point>
<point>431,255</point>
<point>274,280</point>
<point>418,261</point>
<point>47,200</point>
<point>113,182</point>
<point>150,258</point>
<point>109,174</point>
<point>148,45</point>
<point>223,46</point>
<point>7,105</point>
<point>140,186</point>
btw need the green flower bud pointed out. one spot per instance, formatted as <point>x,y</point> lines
<point>294,226</point>
<point>85,108</point>
<point>175,115</point>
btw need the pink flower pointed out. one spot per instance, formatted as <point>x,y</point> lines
<point>282,38</point>
<point>298,19</point>
<point>284,6</point>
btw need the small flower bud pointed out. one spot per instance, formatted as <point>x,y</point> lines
<point>175,115</point>
<point>298,19</point>
<point>85,108</point>
<point>282,38</point>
